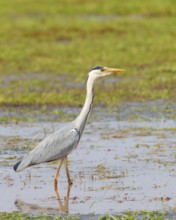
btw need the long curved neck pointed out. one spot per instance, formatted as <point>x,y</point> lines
<point>83,116</point>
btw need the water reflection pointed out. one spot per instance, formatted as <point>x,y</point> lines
<point>63,204</point>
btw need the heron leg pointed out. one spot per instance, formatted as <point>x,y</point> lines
<point>67,171</point>
<point>57,173</point>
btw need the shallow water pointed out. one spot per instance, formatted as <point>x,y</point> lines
<point>119,165</point>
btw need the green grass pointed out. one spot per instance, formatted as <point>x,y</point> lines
<point>44,44</point>
<point>144,215</point>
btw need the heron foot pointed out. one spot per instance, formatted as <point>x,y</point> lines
<point>55,184</point>
<point>70,182</point>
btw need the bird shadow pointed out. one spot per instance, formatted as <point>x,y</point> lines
<point>63,204</point>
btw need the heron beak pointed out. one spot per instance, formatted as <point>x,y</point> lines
<point>113,70</point>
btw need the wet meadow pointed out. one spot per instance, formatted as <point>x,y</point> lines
<point>124,166</point>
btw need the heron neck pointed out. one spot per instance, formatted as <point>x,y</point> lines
<point>83,116</point>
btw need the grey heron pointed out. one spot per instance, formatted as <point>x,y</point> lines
<point>59,144</point>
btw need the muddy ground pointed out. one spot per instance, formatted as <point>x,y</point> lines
<point>125,161</point>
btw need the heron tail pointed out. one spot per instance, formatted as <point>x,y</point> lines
<point>26,161</point>
<point>15,167</point>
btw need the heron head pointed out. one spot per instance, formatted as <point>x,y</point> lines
<point>100,71</point>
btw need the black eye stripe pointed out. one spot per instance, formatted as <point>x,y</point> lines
<point>97,68</point>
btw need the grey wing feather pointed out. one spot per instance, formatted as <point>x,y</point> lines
<point>53,147</point>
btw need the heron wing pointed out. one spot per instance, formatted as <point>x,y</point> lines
<point>53,147</point>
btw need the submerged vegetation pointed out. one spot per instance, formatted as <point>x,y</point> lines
<point>47,48</point>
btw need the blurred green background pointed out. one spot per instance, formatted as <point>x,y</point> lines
<point>47,48</point>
